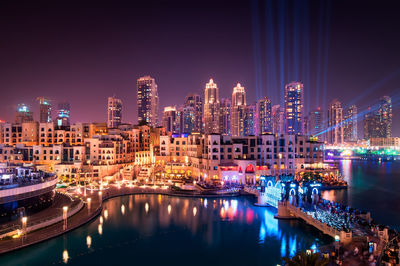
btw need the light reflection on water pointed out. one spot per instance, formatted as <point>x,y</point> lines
<point>221,231</point>
<point>373,186</point>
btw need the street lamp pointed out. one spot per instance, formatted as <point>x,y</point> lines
<point>24,221</point>
<point>65,216</point>
<point>89,200</point>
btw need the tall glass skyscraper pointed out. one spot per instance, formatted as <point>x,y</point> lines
<point>264,116</point>
<point>335,125</point>
<point>114,112</point>
<point>225,116</point>
<point>350,124</point>
<point>45,110</point>
<point>238,110</point>
<point>147,101</point>
<point>294,108</point>
<point>195,101</point>
<point>378,120</point>
<point>211,108</point>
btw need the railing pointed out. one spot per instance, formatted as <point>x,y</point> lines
<point>41,223</point>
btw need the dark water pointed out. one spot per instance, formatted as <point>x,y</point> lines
<point>144,230</point>
<point>373,186</point>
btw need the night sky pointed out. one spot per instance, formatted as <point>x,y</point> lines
<point>84,52</point>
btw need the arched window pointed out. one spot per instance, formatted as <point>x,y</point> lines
<point>250,168</point>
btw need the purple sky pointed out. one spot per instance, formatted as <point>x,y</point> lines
<point>83,53</point>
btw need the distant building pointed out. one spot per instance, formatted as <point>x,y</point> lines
<point>316,124</point>
<point>114,112</point>
<point>335,125</point>
<point>187,119</point>
<point>169,120</point>
<point>294,108</point>
<point>378,120</point>
<point>264,116</point>
<point>250,120</point>
<point>225,116</point>
<point>23,114</point>
<point>238,111</point>
<point>350,124</point>
<point>45,110</point>
<point>211,108</point>
<point>195,101</point>
<point>63,115</point>
<point>278,119</point>
<point>147,101</point>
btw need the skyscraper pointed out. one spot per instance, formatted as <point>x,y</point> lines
<point>315,122</point>
<point>195,101</point>
<point>114,112</point>
<point>238,110</point>
<point>294,108</point>
<point>225,116</point>
<point>278,119</point>
<point>147,100</point>
<point>63,114</point>
<point>335,125</point>
<point>188,119</point>
<point>250,120</point>
<point>23,114</point>
<point>378,119</point>
<point>211,108</point>
<point>169,120</point>
<point>385,116</point>
<point>44,110</point>
<point>350,124</point>
<point>264,116</point>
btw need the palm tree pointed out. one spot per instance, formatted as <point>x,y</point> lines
<point>304,259</point>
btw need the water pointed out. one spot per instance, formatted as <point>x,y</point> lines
<point>163,230</point>
<point>373,186</point>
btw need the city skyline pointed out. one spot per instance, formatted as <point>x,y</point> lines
<point>105,70</point>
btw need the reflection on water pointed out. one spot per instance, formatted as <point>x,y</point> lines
<point>179,230</point>
<point>373,186</point>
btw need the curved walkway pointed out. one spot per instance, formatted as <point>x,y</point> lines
<point>91,209</point>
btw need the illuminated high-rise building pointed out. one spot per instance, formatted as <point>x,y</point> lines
<point>294,108</point>
<point>114,112</point>
<point>63,114</point>
<point>195,101</point>
<point>385,116</point>
<point>250,120</point>
<point>44,110</point>
<point>315,122</point>
<point>23,114</point>
<point>335,125</point>
<point>225,116</point>
<point>238,111</point>
<point>187,119</point>
<point>378,120</point>
<point>278,119</point>
<point>169,120</point>
<point>147,101</point>
<point>350,124</point>
<point>264,116</point>
<point>211,108</point>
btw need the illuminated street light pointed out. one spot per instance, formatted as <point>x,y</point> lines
<point>65,216</point>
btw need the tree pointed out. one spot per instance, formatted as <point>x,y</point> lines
<point>304,259</point>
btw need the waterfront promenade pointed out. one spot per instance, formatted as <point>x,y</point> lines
<point>91,208</point>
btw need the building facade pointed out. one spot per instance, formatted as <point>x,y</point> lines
<point>211,108</point>
<point>335,129</point>
<point>294,108</point>
<point>264,116</point>
<point>114,112</point>
<point>147,101</point>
